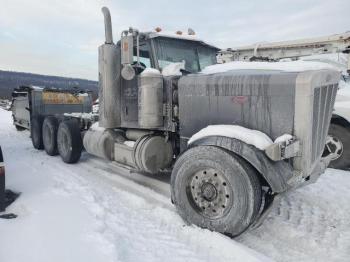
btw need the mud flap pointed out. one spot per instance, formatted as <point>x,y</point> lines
<point>269,205</point>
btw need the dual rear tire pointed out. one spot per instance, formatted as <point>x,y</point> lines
<point>56,137</point>
<point>36,132</point>
<point>69,141</point>
<point>49,133</point>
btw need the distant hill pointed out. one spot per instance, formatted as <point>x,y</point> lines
<point>9,80</point>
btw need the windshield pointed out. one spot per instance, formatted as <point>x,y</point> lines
<point>196,55</point>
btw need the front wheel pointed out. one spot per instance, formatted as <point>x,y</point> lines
<point>215,189</point>
<point>338,146</point>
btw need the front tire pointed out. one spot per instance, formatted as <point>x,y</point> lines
<point>49,132</point>
<point>338,144</point>
<point>69,141</point>
<point>215,189</point>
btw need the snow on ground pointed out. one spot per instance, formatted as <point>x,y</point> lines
<point>93,211</point>
<point>86,212</point>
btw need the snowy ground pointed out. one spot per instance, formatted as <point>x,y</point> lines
<point>94,211</point>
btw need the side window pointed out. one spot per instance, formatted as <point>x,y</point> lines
<point>144,55</point>
<point>206,57</point>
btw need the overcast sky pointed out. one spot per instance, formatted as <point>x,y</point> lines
<point>60,37</point>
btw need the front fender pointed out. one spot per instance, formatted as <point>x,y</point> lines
<point>276,174</point>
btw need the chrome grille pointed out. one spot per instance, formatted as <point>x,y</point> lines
<point>324,98</point>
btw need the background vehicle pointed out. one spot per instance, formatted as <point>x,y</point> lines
<point>158,112</point>
<point>333,50</point>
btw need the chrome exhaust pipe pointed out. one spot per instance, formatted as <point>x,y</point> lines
<point>108,25</point>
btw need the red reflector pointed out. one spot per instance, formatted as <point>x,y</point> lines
<point>2,171</point>
<point>239,99</point>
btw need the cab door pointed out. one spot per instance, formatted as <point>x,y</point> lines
<point>129,88</point>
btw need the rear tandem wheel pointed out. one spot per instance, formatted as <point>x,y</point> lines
<point>36,132</point>
<point>69,141</point>
<point>49,132</point>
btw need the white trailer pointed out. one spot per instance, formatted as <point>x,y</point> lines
<point>294,49</point>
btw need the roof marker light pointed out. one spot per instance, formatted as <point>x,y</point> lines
<point>190,31</point>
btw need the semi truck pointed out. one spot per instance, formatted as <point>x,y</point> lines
<point>233,142</point>
<point>323,49</point>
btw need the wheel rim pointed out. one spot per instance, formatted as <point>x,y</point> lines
<point>210,193</point>
<point>334,147</point>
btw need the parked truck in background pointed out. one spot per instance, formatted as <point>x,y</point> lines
<point>214,132</point>
<point>334,50</point>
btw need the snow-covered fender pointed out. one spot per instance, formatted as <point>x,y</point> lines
<point>276,174</point>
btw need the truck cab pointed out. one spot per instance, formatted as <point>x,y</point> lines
<point>157,50</point>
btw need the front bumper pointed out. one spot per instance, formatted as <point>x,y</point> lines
<point>299,179</point>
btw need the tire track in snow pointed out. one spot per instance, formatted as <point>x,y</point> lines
<point>310,224</point>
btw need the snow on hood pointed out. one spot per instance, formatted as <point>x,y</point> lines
<point>248,136</point>
<point>293,66</point>
<point>173,69</point>
<point>150,72</point>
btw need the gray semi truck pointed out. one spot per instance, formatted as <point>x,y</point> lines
<point>147,118</point>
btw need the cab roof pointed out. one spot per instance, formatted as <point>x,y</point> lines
<point>150,35</point>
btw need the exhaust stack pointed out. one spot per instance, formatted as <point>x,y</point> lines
<point>109,78</point>
<point>108,25</point>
